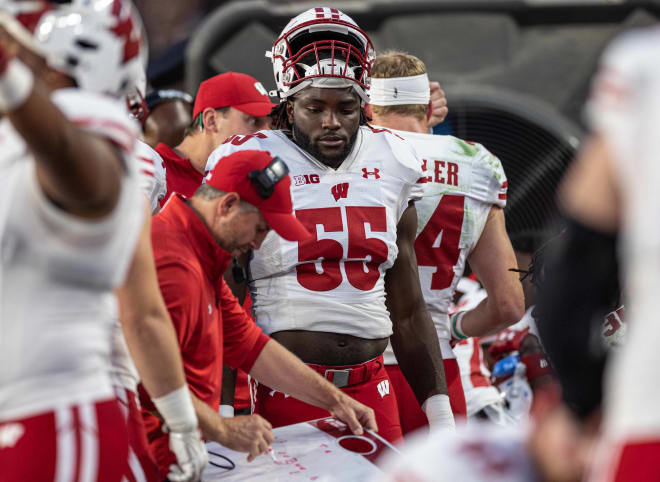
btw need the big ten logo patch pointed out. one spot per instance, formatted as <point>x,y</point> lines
<point>301,180</point>
<point>384,388</point>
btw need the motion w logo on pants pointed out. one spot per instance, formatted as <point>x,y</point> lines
<point>384,388</point>
<point>340,191</point>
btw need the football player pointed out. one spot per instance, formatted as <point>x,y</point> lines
<point>72,220</point>
<point>336,300</point>
<point>169,114</point>
<point>459,220</point>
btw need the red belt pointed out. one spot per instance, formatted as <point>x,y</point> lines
<point>345,376</point>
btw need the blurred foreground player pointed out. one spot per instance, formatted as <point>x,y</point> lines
<point>612,192</point>
<point>244,196</point>
<point>460,219</point>
<point>69,226</point>
<point>45,38</point>
<point>334,301</point>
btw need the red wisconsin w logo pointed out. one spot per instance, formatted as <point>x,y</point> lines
<point>340,191</point>
<point>366,174</point>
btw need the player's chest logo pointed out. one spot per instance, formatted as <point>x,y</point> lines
<point>366,173</point>
<point>340,191</point>
<point>302,179</point>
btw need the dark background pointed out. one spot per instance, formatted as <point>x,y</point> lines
<point>516,73</point>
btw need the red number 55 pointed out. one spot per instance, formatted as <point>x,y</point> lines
<point>363,257</point>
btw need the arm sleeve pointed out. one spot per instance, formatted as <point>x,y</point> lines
<point>580,283</point>
<point>243,340</point>
<point>179,285</point>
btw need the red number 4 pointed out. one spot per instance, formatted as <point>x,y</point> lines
<point>445,223</point>
<point>363,257</point>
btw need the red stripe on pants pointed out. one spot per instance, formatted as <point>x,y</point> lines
<point>412,415</point>
<point>32,454</point>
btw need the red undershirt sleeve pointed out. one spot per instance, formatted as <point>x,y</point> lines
<point>243,340</point>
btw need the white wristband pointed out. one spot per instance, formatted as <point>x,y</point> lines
<point>438,411</point>
<point>226,411</point>
<point>177,410</point>
<point>15,86</point>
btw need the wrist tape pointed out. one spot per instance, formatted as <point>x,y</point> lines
<point>177,410</point>
<point>15,86</point>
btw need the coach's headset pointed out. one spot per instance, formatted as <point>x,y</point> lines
<point>265,179</point>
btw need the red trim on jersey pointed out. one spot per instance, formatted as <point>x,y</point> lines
<point>476,377</point>
<point>111,124</point>
<point>501,197</point>
<point>148,160</point>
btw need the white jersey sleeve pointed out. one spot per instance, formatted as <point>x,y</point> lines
<point>59,271</point>
<point>153,180</point>
<point>620,103</point>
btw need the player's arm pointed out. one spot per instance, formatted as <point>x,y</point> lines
<point>491,259</point>
<point>281,370</point>
<point>581,276</point>
<point>78,171</point>
<point>154,349</point>
<point>415,341</point>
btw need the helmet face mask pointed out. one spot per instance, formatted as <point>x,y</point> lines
<point>324,48</point>
<point>98,43</point>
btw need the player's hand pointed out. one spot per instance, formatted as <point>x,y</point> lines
<point>191,456</point>
<point>354,414</point>
<point>439,108</point>
<point>247,433</point>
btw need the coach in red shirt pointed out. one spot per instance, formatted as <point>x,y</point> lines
<point>246,194</point>
<point>227,104</point>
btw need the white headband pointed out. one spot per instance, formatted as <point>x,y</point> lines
<point>400,90</point>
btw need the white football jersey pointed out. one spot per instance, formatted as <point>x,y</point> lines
<point>334,283</point>
<point>463,182</point>
<point>58,272</point>
<point>152,174</point>
<point>625,110</point>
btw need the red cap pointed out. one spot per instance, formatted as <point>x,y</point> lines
<point>232,89</point>
<point>230,174</point>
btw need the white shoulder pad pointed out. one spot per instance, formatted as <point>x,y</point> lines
<point>405,162</point>
<point>262,141</point>
<point>489,183</point>
<point>103,115</point>
<point>152,173</point>
<point>626,84</point>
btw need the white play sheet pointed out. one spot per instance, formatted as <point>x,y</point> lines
<point>320,450</point>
